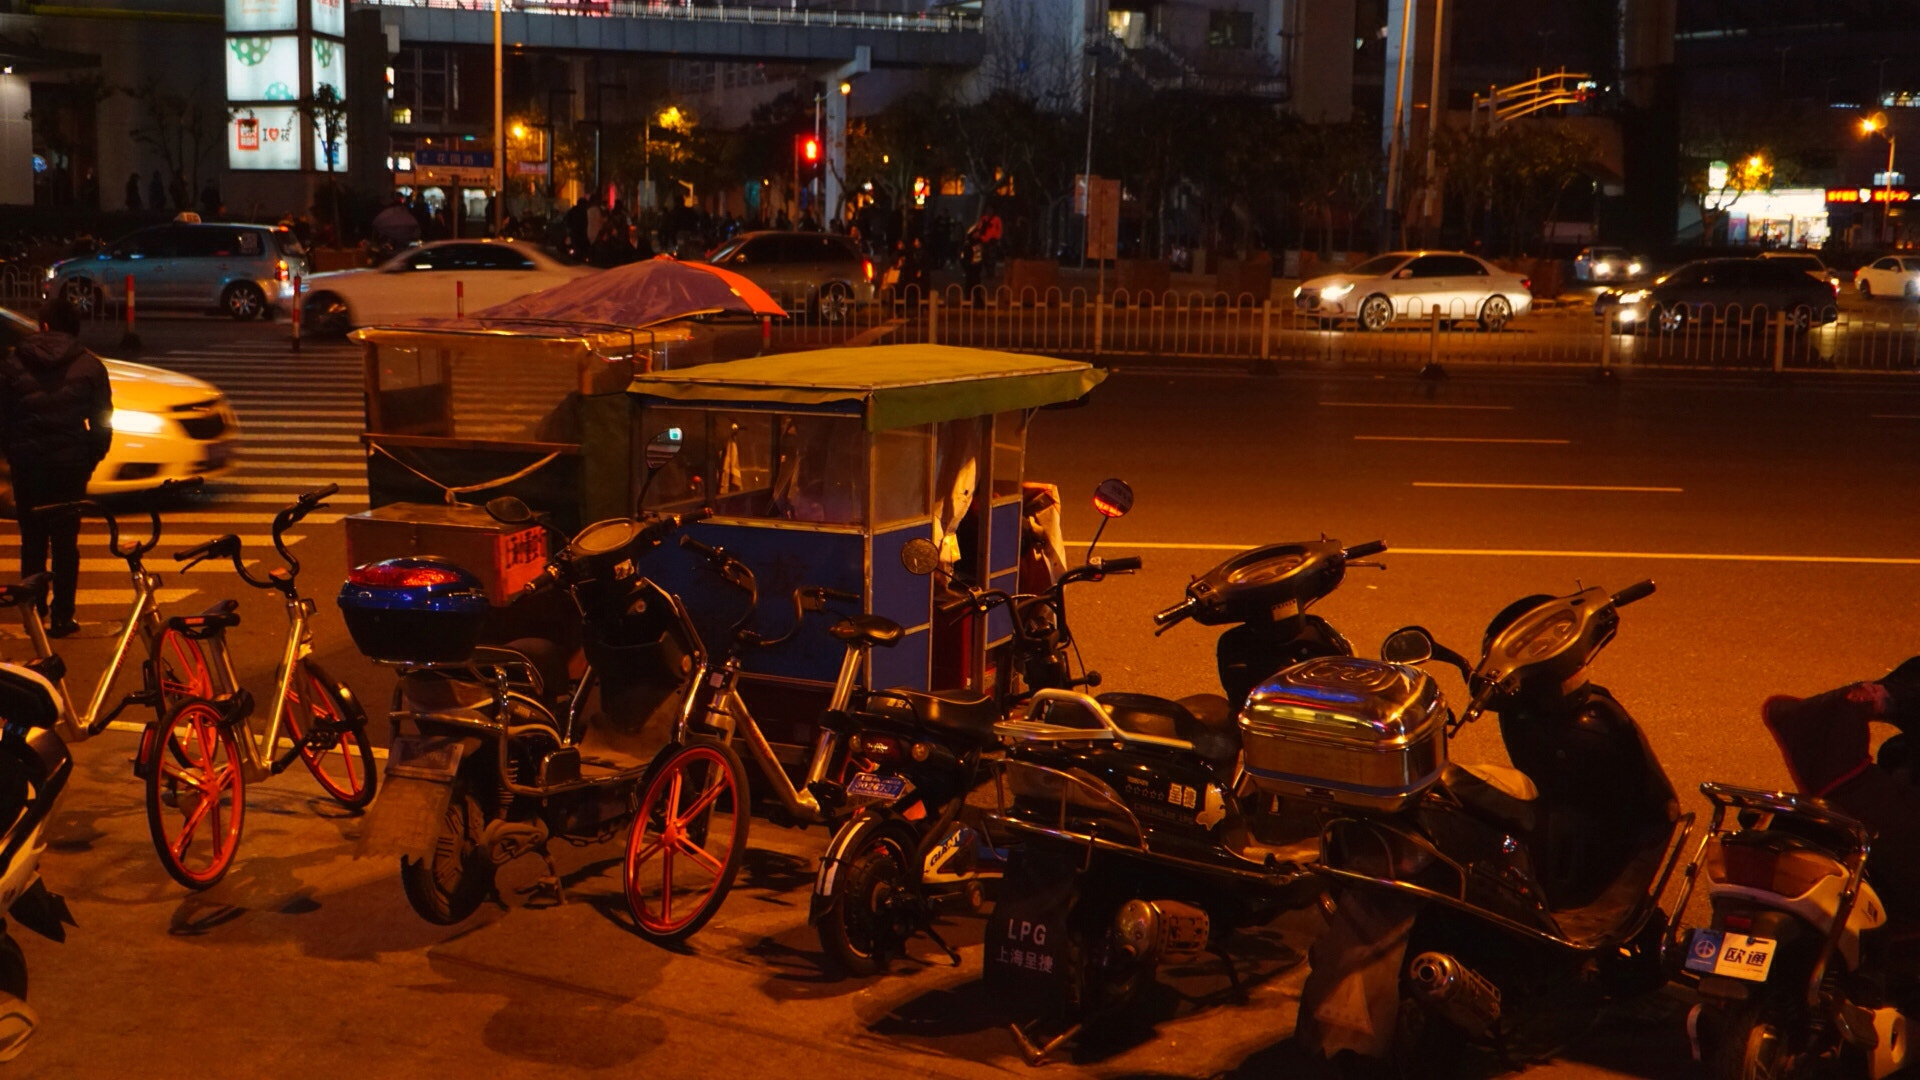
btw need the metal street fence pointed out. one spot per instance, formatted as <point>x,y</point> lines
<point>1260,334</point>
<point>931,21</point>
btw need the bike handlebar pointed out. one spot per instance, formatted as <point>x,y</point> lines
<point>1639,590</point>
<point>1361,551</point>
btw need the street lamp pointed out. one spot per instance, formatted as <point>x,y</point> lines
<point>669,118</point>
<point>1877,125</point>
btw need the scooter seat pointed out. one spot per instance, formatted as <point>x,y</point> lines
<point>1498,792</point>
<point>963,715</point>
<point>220,616</point>
<point>27,698</point>
<point>1210,728</point>
<point>867,630</point>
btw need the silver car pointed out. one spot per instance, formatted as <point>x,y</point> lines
<point>243,270</point>
<point>1411,284</point>
<point>822,273</point>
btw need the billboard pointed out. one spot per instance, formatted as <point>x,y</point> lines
<point>329,16</point>
<point>329,67</point>
<point>263,138</point>
<point>256,16</point>
<point>265,68</point>
<point>320,147</point>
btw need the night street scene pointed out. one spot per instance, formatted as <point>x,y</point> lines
<point>1215,539</point>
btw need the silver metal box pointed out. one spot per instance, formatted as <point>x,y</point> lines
<point>1341,729</point>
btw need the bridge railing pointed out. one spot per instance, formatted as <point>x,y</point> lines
<point>927,21</point>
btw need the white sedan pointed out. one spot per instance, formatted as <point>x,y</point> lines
<point>1411,284</point>
<point>444,278</point>
<point>166,426</point>
<point>1892,275</point>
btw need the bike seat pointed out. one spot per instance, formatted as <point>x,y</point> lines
<point>220,616</point>
<point>18,593</point>
<point>867,630</point>
<point>27,698</point>
<point>1501,793</point>
<point>959,713</point>
<point>1205,720</point>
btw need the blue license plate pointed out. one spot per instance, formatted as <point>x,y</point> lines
<point>1717,952</point>
<point>875,786</point>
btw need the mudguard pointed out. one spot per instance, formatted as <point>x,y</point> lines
<point>405,817</point>
<point>863,824</point>
<point>43,911</point>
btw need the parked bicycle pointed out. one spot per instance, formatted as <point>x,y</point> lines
<point>173,670</point>
<point>196,769</point>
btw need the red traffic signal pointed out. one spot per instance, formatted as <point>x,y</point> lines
<point>807,149</point>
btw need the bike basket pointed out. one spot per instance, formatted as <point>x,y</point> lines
<point>414,610</point>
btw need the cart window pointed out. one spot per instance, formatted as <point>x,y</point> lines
<point>900,475</point>
<point>820,470</point>
<point>762,465</point>
<point>1009,446</point>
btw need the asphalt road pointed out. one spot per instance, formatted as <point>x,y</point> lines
<point>1776,519</point>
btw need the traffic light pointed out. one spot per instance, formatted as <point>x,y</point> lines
<point>806,158</point>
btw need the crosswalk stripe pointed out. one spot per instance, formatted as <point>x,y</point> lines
<point>318,472</point>
<point>123,598</point>
<point>296,436</point>
<point>246,517</point>
<point>261,414</point>
<point>171,541</point>
<point>115,566</point>
<point>279,497</point>
<point>296,485</point>
<point>254,453</point>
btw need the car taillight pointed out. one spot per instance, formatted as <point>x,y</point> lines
<point>866,267</point>
<point>400,577</point>
<point>1526,283</point>
<point>280,270</point>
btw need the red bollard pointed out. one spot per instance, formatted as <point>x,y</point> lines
<point>459,299</point>
<point>129,341</point>
<point>295,320</point>
<point>766,333</point>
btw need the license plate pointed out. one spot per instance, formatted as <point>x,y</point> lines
<point>874,786</point>
<point>424,757</point>
<point>1717,952</point>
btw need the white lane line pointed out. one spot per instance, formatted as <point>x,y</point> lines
<point>254,453</point>
<point>318,472</point>
<point>249,411</point>
<point>275,424</point>
<point>119,566</point>
<point>299,485</point>
<point>172,541</point>
<point>249,437</point>
<point>1551,487</point>
<point>121,598</point>
<point>1459,439</point>
<point>1411,405</point>
<point>1526,553</point>
<point>275,496</point>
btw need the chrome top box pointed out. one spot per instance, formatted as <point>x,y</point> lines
<point>1345,730</point>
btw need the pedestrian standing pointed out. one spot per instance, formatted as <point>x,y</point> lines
<point>133,192</point>
<point>56,424</point>
<point>156,192</point>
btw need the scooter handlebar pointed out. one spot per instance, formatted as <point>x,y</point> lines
<point>1361,551</point>
<point>1639,590</point>
<point>1122,565</point>
<point>1174,614</point>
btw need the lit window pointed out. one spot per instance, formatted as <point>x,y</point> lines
<point>403,115</point>
<point>953,185</point>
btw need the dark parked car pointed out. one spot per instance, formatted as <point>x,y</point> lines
<point>824,274</point>
<point>1728,291</point>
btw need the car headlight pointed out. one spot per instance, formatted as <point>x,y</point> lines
<point>52,273</point>
<point>1335,292</point>
<point>1602,268</point>
<point>1637,296</point>
<point>1296,292</point>
<point>134,422</point>
<point>1634,268</point>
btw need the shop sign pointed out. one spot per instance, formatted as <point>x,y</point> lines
<point>329,17</point>
<point>255,16</point>
<point>1868,195</point>
<point>264,139</point>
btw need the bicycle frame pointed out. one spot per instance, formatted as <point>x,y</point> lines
<point>143,618</point>
<point>257,748</point>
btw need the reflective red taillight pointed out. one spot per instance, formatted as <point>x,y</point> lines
<point>401,577</point>
<point>280,270</point>
<point>1526,283</point>
<point>866,267</point>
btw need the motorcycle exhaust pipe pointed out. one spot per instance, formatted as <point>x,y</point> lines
<point>1462,996</point>
<point>1160,932</point>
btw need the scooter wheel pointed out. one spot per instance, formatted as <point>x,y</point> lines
<point>876,907</point>
<point>687,840</point>
<point>451,883</point>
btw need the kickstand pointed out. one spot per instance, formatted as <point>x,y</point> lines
<point>546,891</point>
<point>1233,975</point>
<point>1037,1055</point>
<point>942,942</point>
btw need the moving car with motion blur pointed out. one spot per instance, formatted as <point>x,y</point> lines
<point>1891,275</point>
<point>1603,264</point>
<point>825,274</point>
<point>166,426</point>
<point>1410,284</point>
<point>243,270</point>
<point>445,277</point>
<point>1731,291</point>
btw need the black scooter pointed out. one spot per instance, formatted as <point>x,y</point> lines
<point>917,841</point>
<point>1495,905</point>
<point>1141,842</point>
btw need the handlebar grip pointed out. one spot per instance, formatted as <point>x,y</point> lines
<point>540,582</point>
<point>1121,565</point>
<point>837,594</point>
<point>701,514</point>
<point>955,607</point>
<point>1639,590</point>
<point>201,551</point>
<point>1361,551</point>
<point>315,497</point>
<point>1175,613</point>
<point>699,548</point>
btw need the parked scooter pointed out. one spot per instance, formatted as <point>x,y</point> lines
<point>34,767</point>
<point>1798,971</point>
<point>1142,845</point>
<point>1475,904</point>
<point>917,841</point>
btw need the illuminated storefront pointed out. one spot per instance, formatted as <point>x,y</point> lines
<point>1784,218</point>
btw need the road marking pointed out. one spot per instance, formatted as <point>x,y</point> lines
<point>274,424</point>
<point>10,545</point>
<point>1523,553</point>
<point>1410,405</point>
<point>279,497</point>
<point>1459,439</point>
<point>243,517</point>
<point>253,453</point>
<point>248,437</point>
<point>295,484</point>
<point>247,411</point>
<point>1550,487</point>
<point>123,598</point>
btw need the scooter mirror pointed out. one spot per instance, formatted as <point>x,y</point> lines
<point>662,449</point>
<point>1113,498</point>
<point>1408,646</point>
<point>920,557</point>
<point>509,511</point>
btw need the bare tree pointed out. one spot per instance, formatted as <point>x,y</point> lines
<point>177,126</point>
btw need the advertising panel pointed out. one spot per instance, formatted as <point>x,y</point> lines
<point>256,16</point>
<point>265,68</point>
<point>329,17</point>
<point>339,148</point>
<point>265,138</point>
<point>329,66</point>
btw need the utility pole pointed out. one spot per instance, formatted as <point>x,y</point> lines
<point>1399,106</point>
<point>1431,208</point>
<point>499,126</point>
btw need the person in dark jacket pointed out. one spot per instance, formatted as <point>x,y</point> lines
<point>56,424</point>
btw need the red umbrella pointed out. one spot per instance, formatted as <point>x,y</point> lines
<point>641,294</point>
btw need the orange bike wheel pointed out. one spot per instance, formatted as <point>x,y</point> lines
<point>196,793</point>
<point>687,840</point>
<point>340,756</point>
